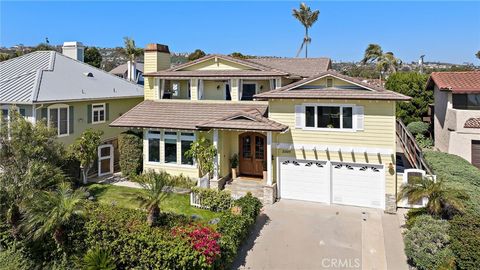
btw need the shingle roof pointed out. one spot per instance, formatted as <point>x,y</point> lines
<point>214,73</point>
<point>185,115</point>
<point>472,123</point>
<point>302,67</point>
<point>122,69</point>
<point>250,120</point>
<point>48,76</point>
<point>457,82</point>
<point>221,56</point>
<point>361,90</point>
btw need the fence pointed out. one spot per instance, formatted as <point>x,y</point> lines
<point>412,151</point>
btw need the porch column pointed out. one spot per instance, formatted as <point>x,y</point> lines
<point>269,159</point>
<point>215,161</point>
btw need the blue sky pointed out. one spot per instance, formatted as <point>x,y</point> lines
<point>444,31</point>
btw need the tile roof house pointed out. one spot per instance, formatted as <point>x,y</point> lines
<point>69,94</point>
<point>457,113</point>
<point>299,130</point>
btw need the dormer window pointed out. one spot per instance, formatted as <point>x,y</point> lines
<point>329,82</point>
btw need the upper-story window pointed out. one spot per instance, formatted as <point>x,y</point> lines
<point>248,91</point>
<point>329,82</point>
<point>466,101</point>
<point>98,113</point>
<point>338,116</point>
<point>58,118</point>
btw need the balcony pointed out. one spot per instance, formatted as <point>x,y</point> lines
<point>455,120</point>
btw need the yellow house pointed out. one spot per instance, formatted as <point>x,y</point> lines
<point>300,130</point>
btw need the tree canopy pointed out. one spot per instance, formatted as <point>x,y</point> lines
<point>385,62</point>
<point>197,54</point>
<point>84,149</point>
<point>93,57</point>
<point>411,84</point>
<point>478,54</point>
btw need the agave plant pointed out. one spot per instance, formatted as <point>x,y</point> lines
<point>154,184</point>
<point>98,259</point>
<point>441,198</point>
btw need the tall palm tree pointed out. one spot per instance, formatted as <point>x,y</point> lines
<point>441,198</point>
<point>307,18</point>
<point>132,53</point>
<point>385,62</point>
<point>372,53</point>
<point>155,185</point>
<point>50,211</point>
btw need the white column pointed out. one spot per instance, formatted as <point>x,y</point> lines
<point>269,158</point>
<point>162,88</point>
<point>215,161</point>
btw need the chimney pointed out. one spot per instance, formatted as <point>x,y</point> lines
<point>74,50</point>
<point>156,58</point>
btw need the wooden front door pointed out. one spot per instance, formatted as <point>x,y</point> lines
<point>252,153</point>
<point>476,153</point>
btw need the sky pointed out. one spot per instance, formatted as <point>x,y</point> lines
<point>443,31</point>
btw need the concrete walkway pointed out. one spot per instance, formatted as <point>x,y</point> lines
<point>303,235</point>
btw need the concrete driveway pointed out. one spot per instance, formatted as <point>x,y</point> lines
<point>302,235</point>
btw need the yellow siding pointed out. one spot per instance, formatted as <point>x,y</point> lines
<point>116,108</point>
<point>154,61</point>
<point>183,93</point>
<point>219,65</point>
<point>379,132</point>
<point>193,90</point>
<point>211,92</point>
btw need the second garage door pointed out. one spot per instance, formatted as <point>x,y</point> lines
<point>358,184</point>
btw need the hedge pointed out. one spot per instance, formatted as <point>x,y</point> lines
<point>418,127</point>
<point>130,147</point>
<point>215,200</point>
<point>465,237</point>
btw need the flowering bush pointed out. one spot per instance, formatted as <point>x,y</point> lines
<point>203,239</point>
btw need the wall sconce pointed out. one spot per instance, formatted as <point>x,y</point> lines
<point>390,166</point>
<point>261,87</point>
<point>218,87</point>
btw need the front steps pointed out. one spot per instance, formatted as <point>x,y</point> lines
<point>240,187</point>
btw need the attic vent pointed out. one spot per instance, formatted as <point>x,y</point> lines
<point>88,74</point>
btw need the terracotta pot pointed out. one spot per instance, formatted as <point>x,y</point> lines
<point>234,173</point>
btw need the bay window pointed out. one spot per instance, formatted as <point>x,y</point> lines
<point>153,146</point>
<point>170,147</point>
<point>186,143</point>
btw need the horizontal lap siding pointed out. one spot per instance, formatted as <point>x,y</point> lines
<point>379,132</point>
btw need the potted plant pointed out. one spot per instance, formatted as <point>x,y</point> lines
<point>234,165</point>
<point>265,170</point>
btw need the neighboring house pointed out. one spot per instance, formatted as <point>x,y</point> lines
<point>457,113</point>
<point>122,72</point>
<point>71,95</point>
<point>315,134</point>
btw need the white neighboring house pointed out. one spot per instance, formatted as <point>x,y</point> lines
<point>457,113</point>
<point>122,72</point>
<point>69,94</point>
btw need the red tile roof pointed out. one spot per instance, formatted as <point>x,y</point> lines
<point>462,82</point>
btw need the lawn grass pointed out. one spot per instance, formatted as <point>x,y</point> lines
<point>126,197</point>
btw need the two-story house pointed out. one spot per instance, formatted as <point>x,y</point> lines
<point>69,94</point>
<point>457,113</point>
<point>320,136</point>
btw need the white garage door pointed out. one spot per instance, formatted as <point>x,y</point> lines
<point>358,184</point>
<point>305,180</point>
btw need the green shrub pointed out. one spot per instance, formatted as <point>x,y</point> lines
<point>14,258</point>
<point>130,147</point>
<point>418,127</point>
<point>98,259</point>
<point>465,240</point>
<point>426,244</point>
<point>412,216</point>
<point>215,200</point>
<point>183,181</point>
<point>234,228</point>
<point>424,142</point>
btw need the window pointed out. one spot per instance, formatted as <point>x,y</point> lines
<point>170,147</point>
<point>248,91</point>
<point>339,117</point>
<point>98,113</point>
<point>466,101</point>
<point>58,119</point>
<point>329,82</point>
<point>153,146</point>
<point>175,89</point>
<point>186,143</point>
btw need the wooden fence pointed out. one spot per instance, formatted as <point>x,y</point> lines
<point>412,151</point>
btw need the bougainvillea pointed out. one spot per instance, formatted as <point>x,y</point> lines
<point>203,239</point>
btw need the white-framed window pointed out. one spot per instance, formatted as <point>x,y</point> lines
<point>329,82</point>
<point>58,118</point>
<point>175,145</point>
<point>329,116</point>
<point>98,113</point>
<point>170,143</point>
<point>186,140</point>
<point>153,138</point>
<point>175,89</point>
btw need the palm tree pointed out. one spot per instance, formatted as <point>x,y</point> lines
<point>154,184</point>
<point>441,198</point>
<point>50,211</point>
<point>132,53</point>
<point>385,62</point>
<point>372,53</point>
<point>307,18</point>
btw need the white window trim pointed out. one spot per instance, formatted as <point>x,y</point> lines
<point>179,145</point>
<point>153,136</point>
<point>58,107</point>
<point>162,136</point>
<point>326,82</point>
<point>104,113</point>
<point>316,105</point>
<point>179,87</point>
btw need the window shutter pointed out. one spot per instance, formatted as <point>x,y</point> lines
<point>89,113</point>
<point>44,114</point>
<point>358,112</point>
<point>107,112</point>
<point>299,116</point>
<point>71,119</point>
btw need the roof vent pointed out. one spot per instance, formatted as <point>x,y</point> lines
<point>88,74</point>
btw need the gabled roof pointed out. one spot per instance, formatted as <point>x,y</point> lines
<point>300,67</point>
<point>49,76</point>
<point>251,119</point>
<point>460,82</point>
<point>122,69</point>
<point>358,90</point>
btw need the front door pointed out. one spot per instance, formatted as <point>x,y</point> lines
<point>252,153</point>
<point>105,159</point>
